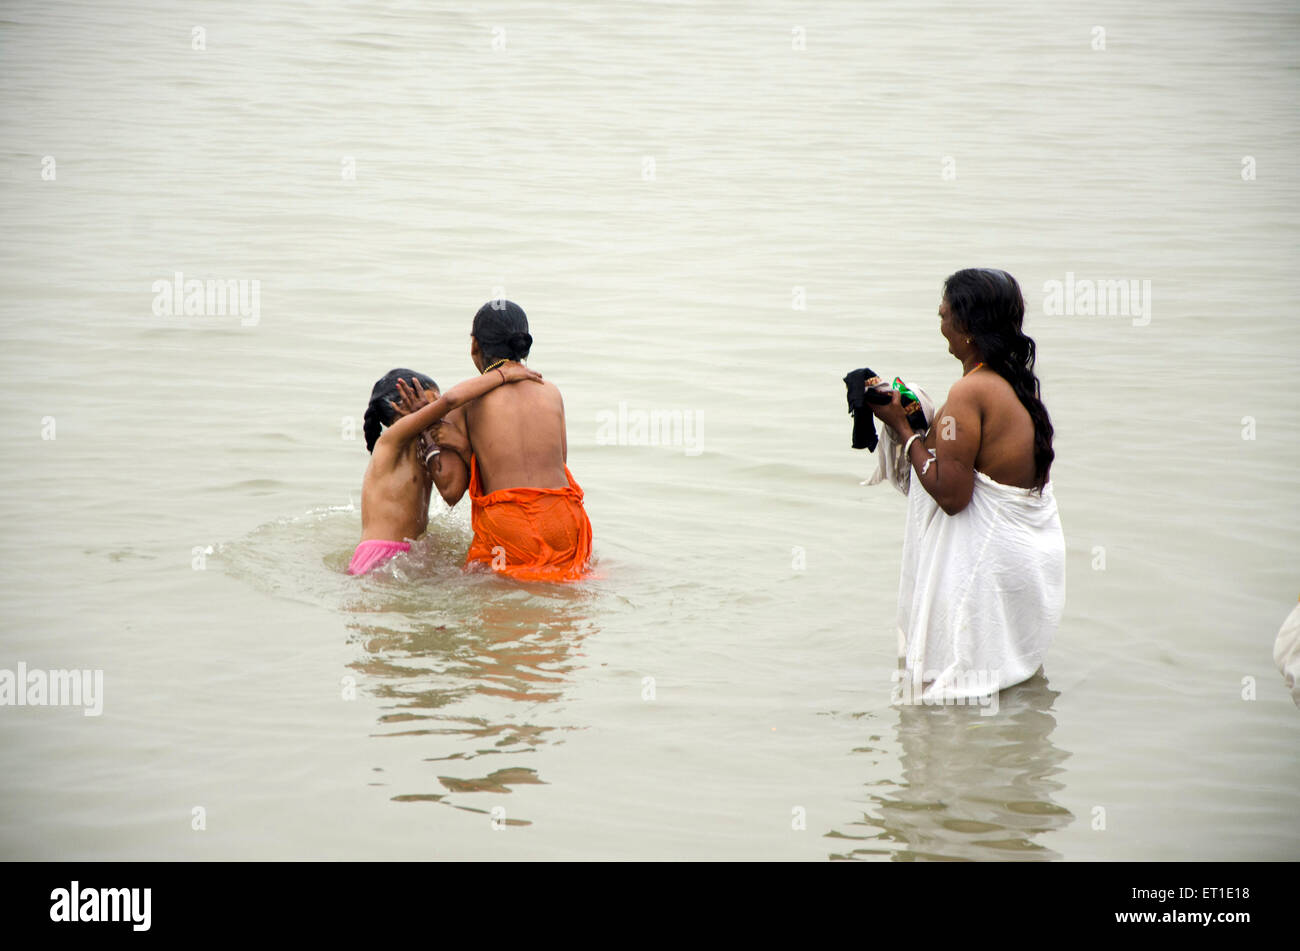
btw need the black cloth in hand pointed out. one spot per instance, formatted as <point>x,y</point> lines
<point>858,383</point>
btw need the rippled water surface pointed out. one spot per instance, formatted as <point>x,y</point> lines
<point>698,216</point>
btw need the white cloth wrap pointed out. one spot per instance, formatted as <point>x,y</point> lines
<point>890,463</point>
<point>981,592</point>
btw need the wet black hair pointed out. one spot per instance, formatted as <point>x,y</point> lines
<point>987,305</point>
<point>501,329</point>
<point>379,414</point>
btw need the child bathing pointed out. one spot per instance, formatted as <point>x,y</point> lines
<point>398,481</point>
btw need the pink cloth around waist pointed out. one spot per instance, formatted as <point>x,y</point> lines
<point>373,552</point>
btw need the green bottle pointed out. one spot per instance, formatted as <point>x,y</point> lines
<point>911,406</point>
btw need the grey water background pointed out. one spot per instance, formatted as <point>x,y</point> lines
<point>658,185</point>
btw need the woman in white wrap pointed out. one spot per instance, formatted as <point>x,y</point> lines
<point>983,579</point>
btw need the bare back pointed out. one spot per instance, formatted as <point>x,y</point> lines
<point>517,435</point>
<point>1006,446</point>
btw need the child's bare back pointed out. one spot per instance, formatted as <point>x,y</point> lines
<point>395,492</point>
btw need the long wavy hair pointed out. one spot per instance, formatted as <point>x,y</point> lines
<point>987,306</point>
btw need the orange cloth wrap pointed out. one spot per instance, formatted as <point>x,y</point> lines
<point>541,534</point>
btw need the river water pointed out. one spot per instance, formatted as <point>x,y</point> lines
<point>707,210</point>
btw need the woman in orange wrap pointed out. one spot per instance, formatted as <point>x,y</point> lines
<point>530,534</point>
<point>527,512</point>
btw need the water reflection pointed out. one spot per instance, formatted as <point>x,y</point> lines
<point>476,675</point>
<point>973,787</point>
<point>463,665</point>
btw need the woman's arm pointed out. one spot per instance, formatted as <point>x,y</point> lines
<point>409,427</point>
<point>451,435</point>
<point>950,476</point>
<point>451,476</point>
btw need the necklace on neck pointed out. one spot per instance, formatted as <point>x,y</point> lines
<point>973,369</point>
<point>497,364</point>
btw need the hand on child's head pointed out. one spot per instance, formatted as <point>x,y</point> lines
<point>413,395</point>
<point>404,403</point>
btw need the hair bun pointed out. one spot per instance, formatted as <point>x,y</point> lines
<point>502,332</point>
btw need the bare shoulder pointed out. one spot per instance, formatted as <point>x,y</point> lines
<point>524,393</point>
<point>969,391</point>
<point>986,388</point>
<point>549,392</point>
<point>384,457</point>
